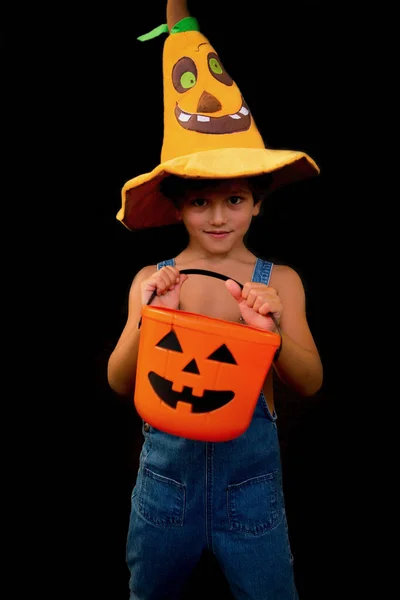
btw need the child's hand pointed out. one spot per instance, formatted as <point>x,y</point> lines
<point>168,282</point>
<point>255,301</point>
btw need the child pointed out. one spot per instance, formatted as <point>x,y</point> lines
<point>224,496</point>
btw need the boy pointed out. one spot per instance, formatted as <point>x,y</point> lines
<point>224,496</point>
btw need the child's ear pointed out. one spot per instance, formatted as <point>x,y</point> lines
<point>256,208</point>
<point>178,214</point>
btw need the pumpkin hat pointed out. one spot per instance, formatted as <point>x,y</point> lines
<point>209,131</point>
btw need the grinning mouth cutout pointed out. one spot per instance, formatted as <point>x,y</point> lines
<point>231,123</point>
<point>209,401</point>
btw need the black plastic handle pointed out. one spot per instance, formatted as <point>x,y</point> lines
<point>224,278</point>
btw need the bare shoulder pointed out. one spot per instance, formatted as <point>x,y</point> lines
<point>145,272</point>
<point>142,275</point>
<point>284,277</point>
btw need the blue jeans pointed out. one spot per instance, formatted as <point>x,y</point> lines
<point>224,496</point>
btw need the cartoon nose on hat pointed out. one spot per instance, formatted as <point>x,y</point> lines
<point>208,103</point>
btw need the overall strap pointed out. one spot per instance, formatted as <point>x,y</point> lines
<point>166,263</point>
<point>262,271</point>
<point>261,274</point>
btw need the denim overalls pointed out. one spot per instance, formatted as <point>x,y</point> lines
<point>224,496</point>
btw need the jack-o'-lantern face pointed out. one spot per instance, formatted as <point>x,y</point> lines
<point>199,377</point>
<point>210,399</point>
<point>203,107</point>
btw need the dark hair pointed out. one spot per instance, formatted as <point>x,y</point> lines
<point>174,187</point>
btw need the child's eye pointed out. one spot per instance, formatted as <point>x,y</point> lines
<point>198,202</point>
<point>235,200</point>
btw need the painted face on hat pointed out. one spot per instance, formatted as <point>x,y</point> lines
<point>203,107</point>
<point>204,104</point>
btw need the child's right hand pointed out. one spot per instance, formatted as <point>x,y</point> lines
<point>168,282</point>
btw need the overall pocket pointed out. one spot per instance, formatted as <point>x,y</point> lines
<point>255,505</point>
<point>161,500</point>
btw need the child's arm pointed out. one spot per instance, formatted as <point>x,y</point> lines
<point>299,365</point>
<point>122,363</point>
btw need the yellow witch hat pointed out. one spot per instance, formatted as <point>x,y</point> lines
<point>209,131</point>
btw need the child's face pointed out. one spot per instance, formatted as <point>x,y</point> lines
<point>219,217</point>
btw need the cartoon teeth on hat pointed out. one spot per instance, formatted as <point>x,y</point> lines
<point>209,131</point>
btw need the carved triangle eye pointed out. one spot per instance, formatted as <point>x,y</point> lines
<point>223,354</point>
<point>170,342</point>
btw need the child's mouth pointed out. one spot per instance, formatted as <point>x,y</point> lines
<point>218,234</point>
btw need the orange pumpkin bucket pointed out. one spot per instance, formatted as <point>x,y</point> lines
<point>199,377</point>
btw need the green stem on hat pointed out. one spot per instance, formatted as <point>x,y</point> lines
<point>186,24</point>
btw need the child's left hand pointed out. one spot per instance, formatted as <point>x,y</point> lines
<point>255,301</point>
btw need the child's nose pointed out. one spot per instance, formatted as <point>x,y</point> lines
<point>218,215</point>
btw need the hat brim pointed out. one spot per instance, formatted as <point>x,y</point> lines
<point>144,206</point>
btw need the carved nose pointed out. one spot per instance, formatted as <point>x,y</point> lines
<point>208,103</point>
<point>192,367</point>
